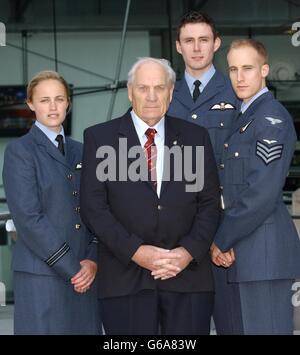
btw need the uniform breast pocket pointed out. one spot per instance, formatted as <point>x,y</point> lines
<point>236,169</point>
<point>218,128</point>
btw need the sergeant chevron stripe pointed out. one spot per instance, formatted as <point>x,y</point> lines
<point>267,154</point>
<point>58,255</point>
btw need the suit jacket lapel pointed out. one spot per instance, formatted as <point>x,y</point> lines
<point>71,153</point>
<point>182,93</point>
<point>213,87</point>
<point>172,138</point>
<point>245,119</point>
<point>127,130</point>
<point>43,140</point>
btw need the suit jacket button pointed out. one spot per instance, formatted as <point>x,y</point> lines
<point>75,193</point>
<point>194,116</point>
<point>159,207</point>
<point>69,176</point>
<point>77,226</point>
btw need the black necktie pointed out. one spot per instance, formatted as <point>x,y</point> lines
<point>60,139</point>
<point>196,92</point>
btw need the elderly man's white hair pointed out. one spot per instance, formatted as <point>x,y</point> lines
<point>163,62</point>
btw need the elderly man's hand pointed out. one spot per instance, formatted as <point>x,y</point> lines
<point>147,257</point>
<point>165,267</point>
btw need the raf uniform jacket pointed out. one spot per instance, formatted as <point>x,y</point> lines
<point>215,109</point>
<point>42,191</point>
<point>126,214</point>
<point>257,225</point>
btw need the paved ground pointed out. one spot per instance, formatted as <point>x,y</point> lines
<point>6,321</point>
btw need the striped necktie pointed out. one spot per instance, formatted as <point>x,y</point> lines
<point>150,150</point>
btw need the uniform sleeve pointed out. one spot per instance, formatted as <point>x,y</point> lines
<point>206,220</point>
<point>95,211</point>
<point>271,153</point>
<point>32,224</point>
<point>92,250</point>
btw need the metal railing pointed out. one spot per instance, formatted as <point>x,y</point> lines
<point>5,216</point>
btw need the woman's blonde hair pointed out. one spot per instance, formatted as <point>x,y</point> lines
<point>46,75</point>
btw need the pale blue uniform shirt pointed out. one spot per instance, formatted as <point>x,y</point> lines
<point>204,79</point>
<point>49,133</point>
<point>245,105</point>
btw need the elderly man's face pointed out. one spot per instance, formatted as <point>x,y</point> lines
<point>151,93</point>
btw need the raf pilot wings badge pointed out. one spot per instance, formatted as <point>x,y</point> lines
<point>222,106</point>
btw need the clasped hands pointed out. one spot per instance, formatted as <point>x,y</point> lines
<point>85,276</point>
<point>219,258</point>
<point>163,263</point>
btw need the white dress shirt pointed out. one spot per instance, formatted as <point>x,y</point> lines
<point>159,139</point>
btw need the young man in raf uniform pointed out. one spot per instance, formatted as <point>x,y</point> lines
<point>257,240</point>
<point>204,95</point>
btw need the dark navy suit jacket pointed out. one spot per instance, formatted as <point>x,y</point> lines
<point>126,214</point>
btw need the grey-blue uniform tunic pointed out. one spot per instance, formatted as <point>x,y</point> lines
<point>256,224</point>
<point>42,191</point>
<point>215,109</point>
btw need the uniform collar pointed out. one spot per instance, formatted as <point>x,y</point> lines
<point>49,133</point>
<point>245,106</point>
<point>204,78</point>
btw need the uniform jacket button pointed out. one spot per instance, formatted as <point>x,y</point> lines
<point>226,145</point>
<point>194,116</point>
<point>77,209</point>
<point>222,166</point>
<point>222,124</point>
<point>159,207</point>
<point>236,154</point>
<point>69,176</point>
<point>77,226</point>
<point>75,193</point>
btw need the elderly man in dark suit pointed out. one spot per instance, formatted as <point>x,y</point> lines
<point>155,233</point>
